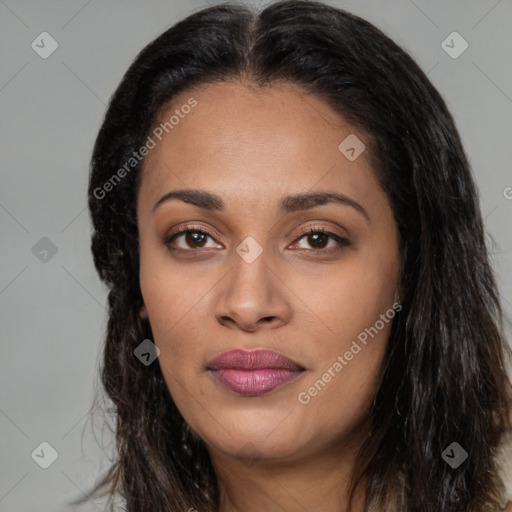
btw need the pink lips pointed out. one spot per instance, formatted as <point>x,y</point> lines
<point>253,372</point>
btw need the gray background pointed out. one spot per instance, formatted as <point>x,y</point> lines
<point>53,311</point>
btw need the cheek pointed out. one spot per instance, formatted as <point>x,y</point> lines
<point>169,292</point>
<point>173,315</point>
<point>355,309</point>
<point>341,387</point>
<point>352,295</point>
<point>176,302</point>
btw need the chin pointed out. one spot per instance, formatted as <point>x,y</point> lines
<point>258,447</point>
<point>256,435</point>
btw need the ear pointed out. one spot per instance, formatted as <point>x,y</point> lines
<point>143,312</point>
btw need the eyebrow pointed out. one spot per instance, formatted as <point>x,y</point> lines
<point>287,204</point>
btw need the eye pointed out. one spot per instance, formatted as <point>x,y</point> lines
<point>192,238</point>
<point>196,238</point>
<point>318,238</point>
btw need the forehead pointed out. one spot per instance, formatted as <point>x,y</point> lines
<point>241,140</point>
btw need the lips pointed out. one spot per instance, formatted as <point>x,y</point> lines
<point>253,372</point>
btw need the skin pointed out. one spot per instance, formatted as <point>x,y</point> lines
<point>251,147</point>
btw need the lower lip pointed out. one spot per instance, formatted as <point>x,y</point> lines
<point>254,382</point>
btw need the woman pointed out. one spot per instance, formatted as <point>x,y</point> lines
<point>302,315</point>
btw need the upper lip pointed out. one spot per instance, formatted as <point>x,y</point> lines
<point>240,359</point>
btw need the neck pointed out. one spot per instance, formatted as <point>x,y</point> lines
<point>318,482</point>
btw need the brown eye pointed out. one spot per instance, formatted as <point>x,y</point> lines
<point>318,240</point>
<point>189,238</point>
<point>195,237</point>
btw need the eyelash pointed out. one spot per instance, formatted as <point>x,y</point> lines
<point>343,242</point>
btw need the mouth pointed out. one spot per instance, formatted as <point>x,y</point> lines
<point>253,372</point>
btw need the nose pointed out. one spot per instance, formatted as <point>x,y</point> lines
<point>253,297</point>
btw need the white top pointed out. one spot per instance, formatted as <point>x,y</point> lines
<point>504,458</point>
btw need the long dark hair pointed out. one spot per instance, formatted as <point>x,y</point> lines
<point>443,377</point>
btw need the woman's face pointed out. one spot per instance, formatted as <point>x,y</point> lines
<point>255,172</point>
